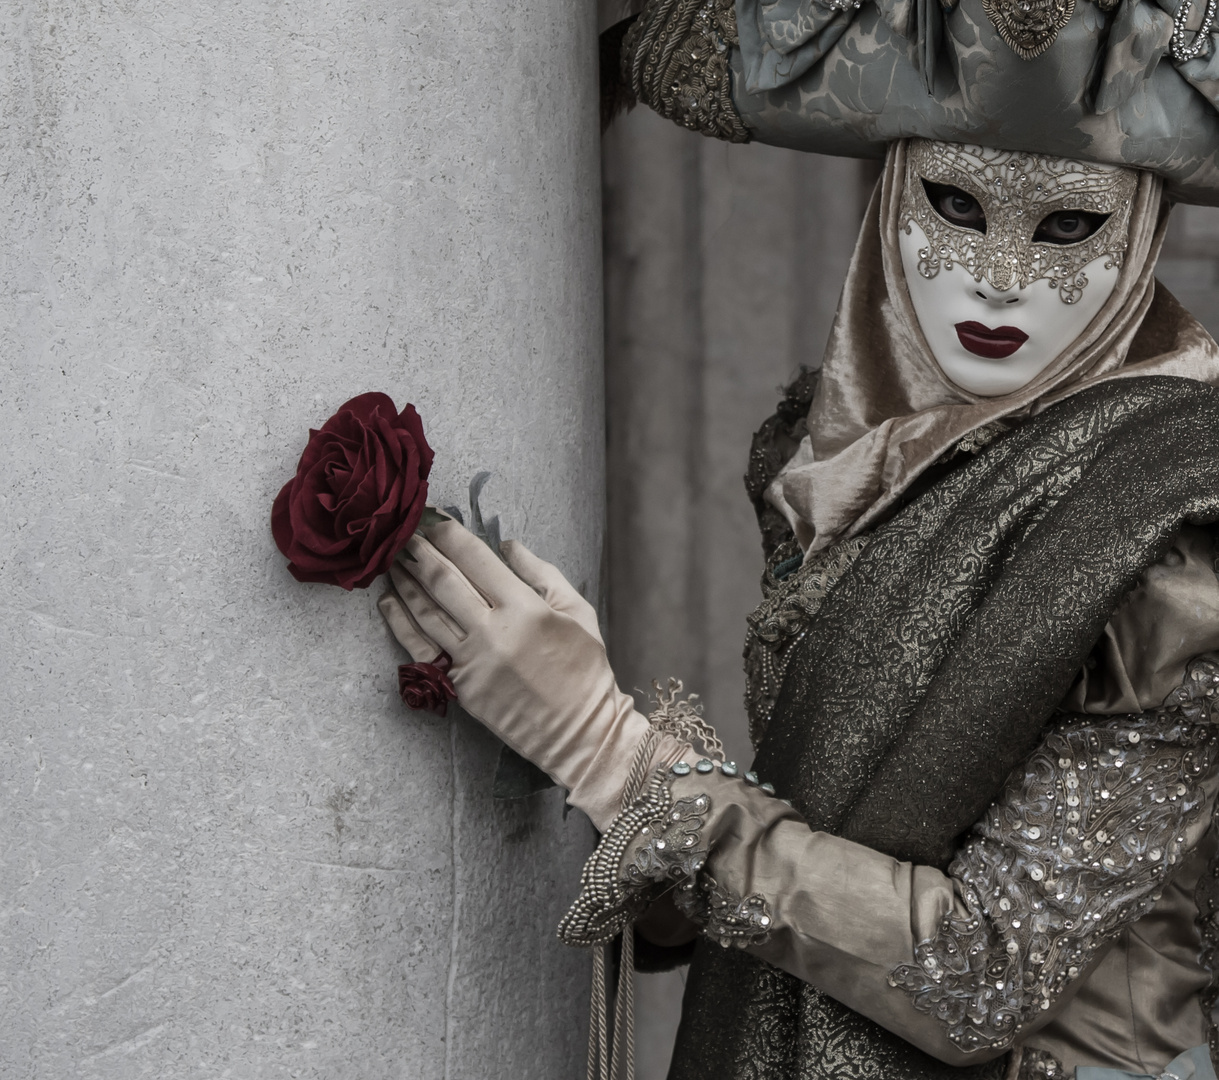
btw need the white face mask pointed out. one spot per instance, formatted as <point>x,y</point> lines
<point>1008,256</point>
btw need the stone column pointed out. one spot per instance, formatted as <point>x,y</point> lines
<point>226,848</point>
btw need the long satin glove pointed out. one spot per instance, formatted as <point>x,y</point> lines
<point>528,660</point>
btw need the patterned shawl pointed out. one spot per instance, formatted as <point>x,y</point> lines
<point>942,653</point>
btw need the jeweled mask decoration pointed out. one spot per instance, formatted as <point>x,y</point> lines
<point>1034,243</point>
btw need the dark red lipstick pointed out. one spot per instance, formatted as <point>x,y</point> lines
<point>997,344</point>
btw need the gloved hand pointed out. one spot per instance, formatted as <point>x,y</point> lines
<point>528,660</point>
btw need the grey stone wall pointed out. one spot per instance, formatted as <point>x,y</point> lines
<point>226,849</point>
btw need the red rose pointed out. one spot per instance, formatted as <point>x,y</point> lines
<point>358,494</point>
<point>426,686</point>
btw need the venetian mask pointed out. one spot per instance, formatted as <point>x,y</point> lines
<point>1008,256</point>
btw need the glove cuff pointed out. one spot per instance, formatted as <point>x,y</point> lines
<point>636,747</point>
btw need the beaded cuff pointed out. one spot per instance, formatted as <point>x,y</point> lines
<point>670,852</point>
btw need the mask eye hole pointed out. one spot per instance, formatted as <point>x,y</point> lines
<point>955,206</point>
<point>1068,227</point>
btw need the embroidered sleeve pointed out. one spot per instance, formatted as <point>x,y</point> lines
<point>1079,845</point>
<point>965,964</point>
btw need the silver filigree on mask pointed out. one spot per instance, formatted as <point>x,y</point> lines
<point>1016,191</point>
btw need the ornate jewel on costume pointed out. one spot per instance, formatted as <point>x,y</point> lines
<point>1029,26</point>
<point>1079,846</point>
<point>611,895</point>
<point>1016,192</point>
<point>1183,47</point>
<point>672,849</point>
<point>979,439</point>
<point>675,58</point>
<point>608,900</point>
<point>723,916</point>
<point>1039,1065</point>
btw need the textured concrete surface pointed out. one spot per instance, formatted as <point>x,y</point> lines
<point>225,847</point>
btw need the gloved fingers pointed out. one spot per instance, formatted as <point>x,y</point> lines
<point>434,621</point>
<point>549,583</point>
<point>445,583</point>
<point>422,648</point>
<point>477,562</point>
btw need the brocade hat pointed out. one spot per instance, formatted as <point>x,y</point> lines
<point>1123,82</point>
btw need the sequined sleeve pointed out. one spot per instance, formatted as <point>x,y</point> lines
<point>1079,846</point>
<point>964,964</point>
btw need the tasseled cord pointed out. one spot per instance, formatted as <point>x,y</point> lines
<point>615,1060</point>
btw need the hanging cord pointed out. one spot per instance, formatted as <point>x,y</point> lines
<point>624,1009</point>
<point>598,1040</point>
<point>682,719</point>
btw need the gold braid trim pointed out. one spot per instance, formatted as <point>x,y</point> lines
<point>675,58</point>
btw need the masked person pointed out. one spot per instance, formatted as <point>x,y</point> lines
<point>976,840</point>
<point>991,569</point>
